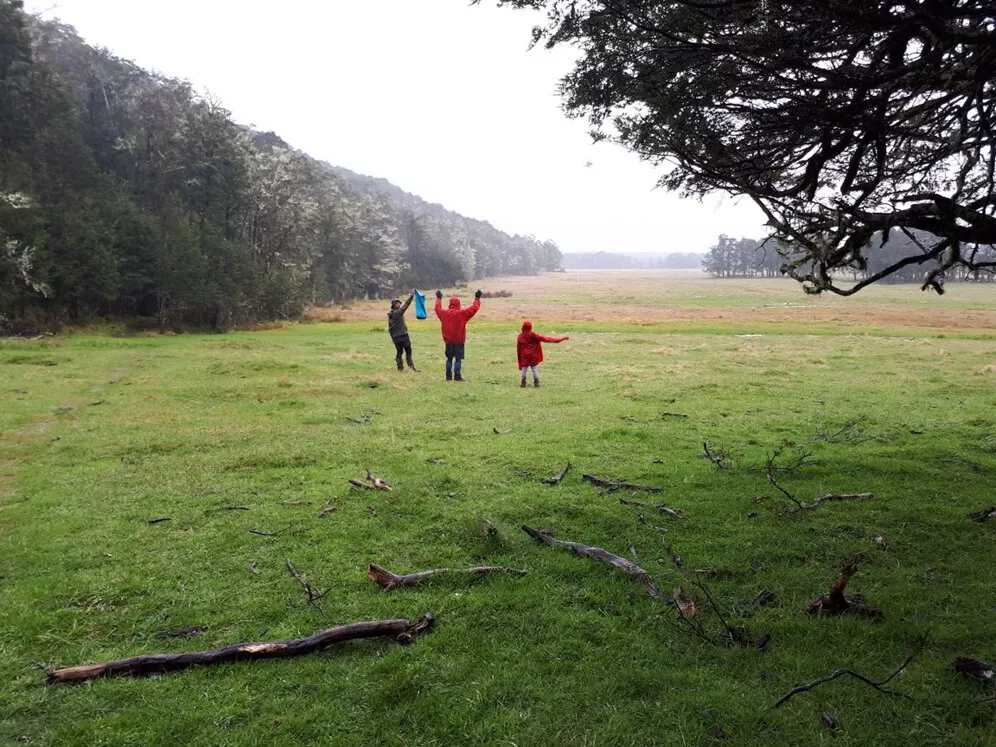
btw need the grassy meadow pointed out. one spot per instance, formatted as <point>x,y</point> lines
<point>892,392</point>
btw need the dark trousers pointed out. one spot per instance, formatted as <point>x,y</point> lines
<point>454,358</point>
<point>403,346</point>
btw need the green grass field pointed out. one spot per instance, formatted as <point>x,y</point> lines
<point>101,434</point>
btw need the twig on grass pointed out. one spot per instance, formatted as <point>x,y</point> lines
<point>770,469</point>
<point>718,458</point>
<point>403,630</point>
<point>597,553</point>
<point>878,685</point>
<point>159,521</point>
<point>314,597</point>
<point>388,580</point>
<point>555,480</point>
<point>610,485</point>
<point>660,507</point>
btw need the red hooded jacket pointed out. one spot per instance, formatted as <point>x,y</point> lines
<point>454,319</point>
<point>529,347</point>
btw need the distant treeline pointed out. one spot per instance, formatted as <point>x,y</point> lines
<point>125,193</point>
<point>636,261</point>
<point>752,258</point>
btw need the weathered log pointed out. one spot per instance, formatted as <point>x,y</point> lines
<point>390,580</point>
<point>598,553</point>
<point>555,480</point>
<point>403,630</point>
<point>598,482</point>
<point>373,483</point>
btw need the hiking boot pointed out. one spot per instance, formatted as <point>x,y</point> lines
<point>449,376</point>
<point>458,377</point>
<point>523,384</point>
<point>412,367</point>
<point>400,367</point>
<point>536,383</point>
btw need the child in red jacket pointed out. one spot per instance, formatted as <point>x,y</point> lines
<point>454,326</point>
<point>530,350</point>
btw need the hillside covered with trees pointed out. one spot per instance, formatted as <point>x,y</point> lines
<point>126,193</point>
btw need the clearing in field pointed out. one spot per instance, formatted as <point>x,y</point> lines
<point>187,493</point>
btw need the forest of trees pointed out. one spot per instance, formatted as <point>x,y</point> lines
<point>126,193</point>
<point>750,258</point>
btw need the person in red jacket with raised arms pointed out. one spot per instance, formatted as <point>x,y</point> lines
<point>530,350</point>
<point>454,324</point>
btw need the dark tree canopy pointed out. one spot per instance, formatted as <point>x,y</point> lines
<point>843,120</point>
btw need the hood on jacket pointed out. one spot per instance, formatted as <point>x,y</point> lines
<point>454,302</point>
<point>527,326</point>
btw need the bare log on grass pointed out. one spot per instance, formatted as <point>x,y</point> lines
<point>836,602</point>
<point>878,685</point>
<point>555,480</point>
<point>403,630</point>
<point>598,482</point>
<point>626,566</point>
<point>390,580</point>
<point>660,507</point>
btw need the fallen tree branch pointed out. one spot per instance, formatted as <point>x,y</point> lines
<point>373,483</point>
<point>660,507</point>
<point>857,675</point>
<point>598,482</point>
<point>626,566</point>
<point>390,580</point>
<point>770,468</point>
<point>984,515</point>
<point>403,630</point>
<point>555,480</point>
<point>717,458</point>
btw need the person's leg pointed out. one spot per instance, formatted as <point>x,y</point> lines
<point>536,375</point>
<point>399,348</point>
<point>408,355</point>
<point>522,383</point>
<point>458,362</point>
<point>449,368</point>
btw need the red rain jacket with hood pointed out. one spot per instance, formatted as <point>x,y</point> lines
<point>454,319</point>
<point>529,347</point>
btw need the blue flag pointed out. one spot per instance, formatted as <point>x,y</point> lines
<point>420,306</point>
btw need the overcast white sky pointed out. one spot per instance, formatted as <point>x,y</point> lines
<point>440,98</point>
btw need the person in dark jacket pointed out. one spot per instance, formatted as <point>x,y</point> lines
<point>399,331</point>
<point>529,350</point>
<point>454,326</point>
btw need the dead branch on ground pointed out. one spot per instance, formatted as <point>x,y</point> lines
<point>314,597</point>
<point>611,485</point>
<point>389,580</point>
<point>878,685</point>
<point>555,480</point>
<point>718,458</point>
<point>372,483</point>
<point>975,670</point>
<point>159,521</point>
<point>836,602</point>
<point>597,553</point>
<point>660,507</point>
<point>984,515</point>
<point>770,469</point>
<point>403,630</point>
